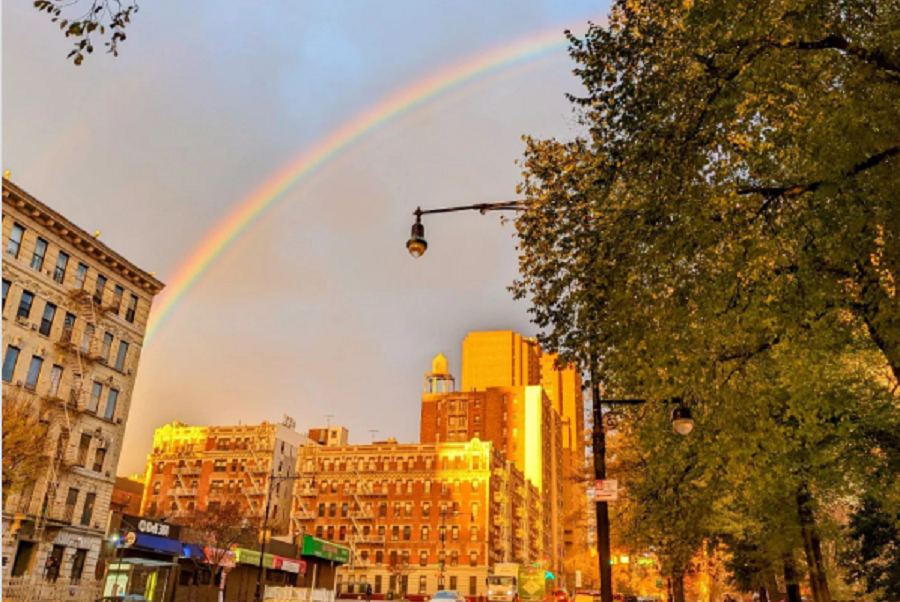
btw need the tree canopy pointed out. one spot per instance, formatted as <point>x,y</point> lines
<point>727,230</point>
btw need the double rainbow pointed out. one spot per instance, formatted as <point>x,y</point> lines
<point>239,219</point>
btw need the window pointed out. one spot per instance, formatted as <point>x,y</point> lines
<point>40,250</point>
<point>55,377</point>
<point>473,533</point>
<point>330,533</point>
<point>382,510</point>
<point>424,533</point>
<point>473,585</point>
<point>342,533</point>
<point>395,533</point>
<point>220,465</point>
<point>88,511</point>
<point>217,486</point>
<point>47,319</point>
<point>442,531</point>
<point>379,559</point>
<point>120,357</point>
<point>427,486</point>
<point>405,557</point>
<point>332,510</point>
<point>408,510</point>
<point>99,287</point>
<point>345,510</point>
<point>426,509</point>
<point>99,459</point>
<point>34,372</point>
<point>393,557</point>
<point>62,262</point>
<point>96,391</point>
<point>454,560</point>
<point>409,487</point>
<point>6,285</point>
<point>407,533</point>
<point>80,275</point>
<point>423,583</point>
<point>68,327</point>
<point>118,293</point>
<point>78,566</point>
<point>25,305</point>
<point>453,582</point>
<point>87,337</point>
<point>107,346</point>
<point>378,581</point>
<point>15,240</point>
<point>111,401</point>
<point>320,531</point>
<point>423,558</point>
<point>454,533</point>
<point>321,510</point>
<point>132,308</point>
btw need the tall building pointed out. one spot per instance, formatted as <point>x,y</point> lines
<point>515,396</point>
<point>197,468</point>
<point>72,340</point>
<point>406,510</point>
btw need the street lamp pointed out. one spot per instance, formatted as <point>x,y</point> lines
<point>417,245</point>
<point>682,421</point>
<point>681,418</point>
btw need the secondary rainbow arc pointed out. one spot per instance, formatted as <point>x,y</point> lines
<point>239,219</point>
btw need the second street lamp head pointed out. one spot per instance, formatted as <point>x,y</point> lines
<point>416,244</point>
<point>682,420</point>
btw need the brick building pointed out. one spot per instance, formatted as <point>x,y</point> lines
<point>406,509</point>
<point>126,496</point>
<point>515,396</point>
<point>72,339</point>
<point>195,468</point>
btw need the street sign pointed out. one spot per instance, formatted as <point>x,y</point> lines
<point>606,490</point>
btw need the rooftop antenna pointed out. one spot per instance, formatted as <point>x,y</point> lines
<point>373,431</point>
<point>329,417</point>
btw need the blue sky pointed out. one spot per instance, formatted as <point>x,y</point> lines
<point>318,309</point>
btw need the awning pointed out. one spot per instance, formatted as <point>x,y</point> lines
<point>155,543</point>
<point>290,565</point>
<point>194,551</point>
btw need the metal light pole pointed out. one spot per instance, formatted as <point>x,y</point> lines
<point>261,573</point>
<point>681,417</point>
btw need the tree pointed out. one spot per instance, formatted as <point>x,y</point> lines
<point>24,462</point>
<point>82,19</point>
<point>874,556</point>
<point>219,528</point>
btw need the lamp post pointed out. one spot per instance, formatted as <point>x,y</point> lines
<point>260,576</point>
<point>681,418</point>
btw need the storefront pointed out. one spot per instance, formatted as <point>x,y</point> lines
<point>323,558</point>
<point>145,558</point>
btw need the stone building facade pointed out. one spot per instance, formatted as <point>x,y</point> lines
<point>194,468</point>
<point>406,510</point>
<point>74,316</point>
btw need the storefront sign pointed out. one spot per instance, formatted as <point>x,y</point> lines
<point>321,548</point>
<point>244,556</point>
<point>150,527</point>
<point>290,565</point>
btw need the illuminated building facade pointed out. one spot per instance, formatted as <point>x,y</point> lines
<point>516,397</point>
<point>74,316</point>
<point>195,468</point>
<point>404,509</point>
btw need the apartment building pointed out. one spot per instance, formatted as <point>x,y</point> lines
<point>197,468</point>
<point>418,517</point>
<point>515,395</point>
<point>74,316</point>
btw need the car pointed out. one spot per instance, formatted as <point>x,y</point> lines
<point>448,595</point>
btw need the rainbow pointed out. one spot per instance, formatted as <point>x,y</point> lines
<point>248,211</point>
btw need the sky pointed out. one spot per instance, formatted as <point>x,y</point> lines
<point>316,310</point>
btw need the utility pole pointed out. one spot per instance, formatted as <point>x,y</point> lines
<point>603,545</point>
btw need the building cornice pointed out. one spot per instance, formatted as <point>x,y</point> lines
<point>63,227</point>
